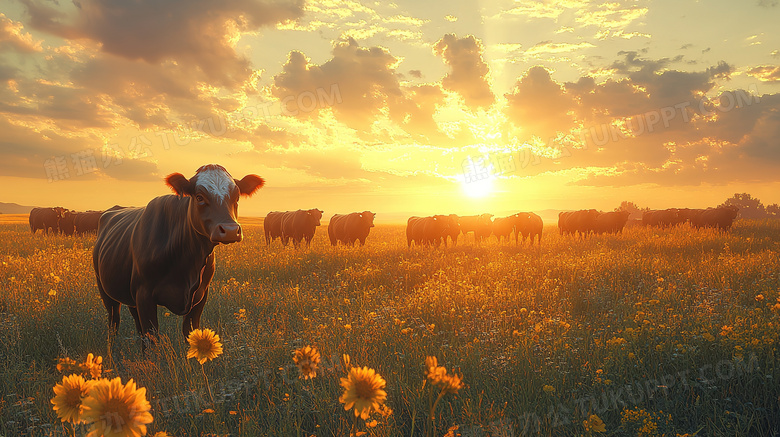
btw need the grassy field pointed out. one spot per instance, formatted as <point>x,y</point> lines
<point>657,332</point>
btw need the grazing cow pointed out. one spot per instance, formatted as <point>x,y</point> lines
<point>350,228</point>
<point>688,215</point>
<point>529,224</point>
<point>425,231</point>
<point>87,221</point>
<point>163,254</point>
<point>582,222</point>
<point>272,226</point>
<point>503,227</point>
<point>611,222</point>
<point>300,225</point>
<point>45,218</point>
<point>481,225</point>
<point>663,218</point>
<point>67,224</point>
<point>721,217</point>
<point>452,229</point>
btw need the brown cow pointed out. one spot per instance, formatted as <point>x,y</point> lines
<point>688,215</point>
<point>272,226</point>
<point>663,218</point>
<point>529,224</point>
<point>86,221</point>
<point>46,218</point>
<point>611,222</point>
<point>481,225</point>
<point>163,254</point>
<point>452,229</point>
<point>503,227</point>
<point>350,228</point>
<point>300,225</point>
<point>721,217</point>
<point>582,222</point>
<point>425,231</point>
<point>67,224</point>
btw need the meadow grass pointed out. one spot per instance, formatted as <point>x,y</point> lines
<point>655,331</point>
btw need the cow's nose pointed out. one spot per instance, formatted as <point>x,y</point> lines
<point>226,233</point>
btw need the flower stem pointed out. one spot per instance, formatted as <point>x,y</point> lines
<point>208,387</point>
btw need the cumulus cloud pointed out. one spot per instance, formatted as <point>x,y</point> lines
<point>468,74</point>
<point>539,105</point>
<point>358,84</point>
<point>199,33</point>
<point>766,73</point>
<point>12,37</point>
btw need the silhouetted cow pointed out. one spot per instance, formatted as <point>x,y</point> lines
<point>452,230</point>
<point>425,231</point>
<point>480,225</point>
<point>300,225</point>
<point>721,217</point>
<point>163,254</point>
<point>582,222</point>
<point>611,222</point>
<point>350,228</point>
<point>503,227</point>
<point>663,218</point>
<point>528,224</point>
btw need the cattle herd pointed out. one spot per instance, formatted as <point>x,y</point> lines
<point>350,229</point>
<point>64,221</point>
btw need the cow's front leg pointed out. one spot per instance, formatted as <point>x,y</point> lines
<point>192,319</point>
<point>146,307</point>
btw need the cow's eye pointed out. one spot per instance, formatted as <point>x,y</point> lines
<point>200,198</point>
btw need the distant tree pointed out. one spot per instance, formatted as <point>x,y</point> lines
<point>632,208</point>
<point>749,206</point>
<point>773,210</point>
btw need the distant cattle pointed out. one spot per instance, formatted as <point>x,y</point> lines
<point>425,231</point>
<point>528,224</point>
<point>85,222</point>
<point>350,228</point>
<point>611,222</point>
<point>46,218</point>
<point>582,222</point>
<point>721,218</point>
<point>163,254</point>
<point>480,225</point>
<point>300,225</point>
<point>272,226</point>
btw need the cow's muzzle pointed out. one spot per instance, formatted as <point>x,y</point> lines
<point>226,233</point>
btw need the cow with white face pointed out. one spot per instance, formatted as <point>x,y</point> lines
<point>162,254</point>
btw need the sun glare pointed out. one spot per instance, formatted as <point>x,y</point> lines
<point>478,189</point>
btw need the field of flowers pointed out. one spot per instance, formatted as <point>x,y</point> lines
<point>649,333</point>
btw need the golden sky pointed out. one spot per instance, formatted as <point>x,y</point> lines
<point>406,107</point>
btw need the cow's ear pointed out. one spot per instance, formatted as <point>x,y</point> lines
<point>179,184</point>
<point>249,184</point>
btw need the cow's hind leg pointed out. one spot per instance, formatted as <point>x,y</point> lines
<point>112,307</point>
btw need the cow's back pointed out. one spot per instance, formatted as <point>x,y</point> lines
<point>112,255</point>
<point>87,221</point>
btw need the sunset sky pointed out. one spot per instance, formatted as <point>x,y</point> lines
<point>405,107</point>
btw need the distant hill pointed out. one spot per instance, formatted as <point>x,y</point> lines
<point>14,208</point>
